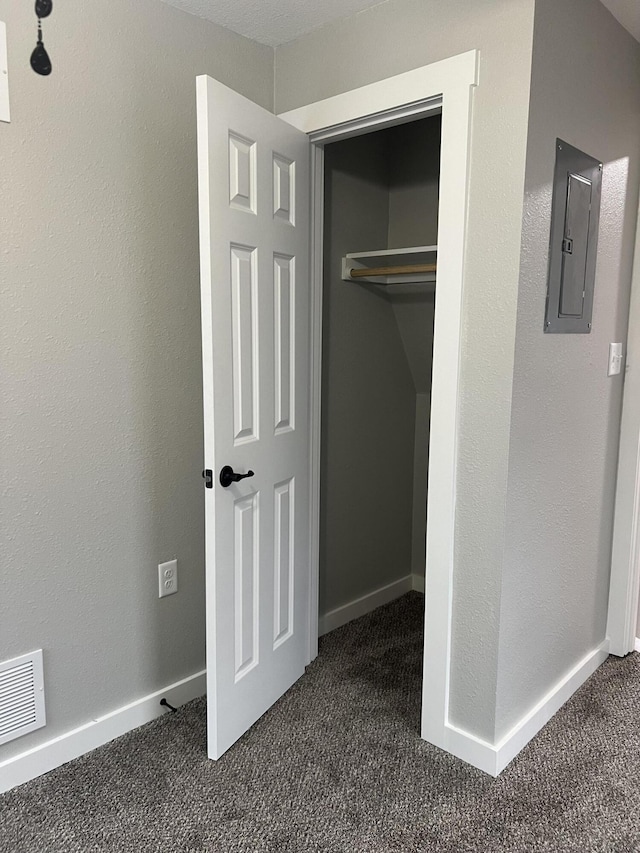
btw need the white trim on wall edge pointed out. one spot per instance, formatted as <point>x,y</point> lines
<point>638,644</point>
<point>493,758</point>
<point>47,756</point>
<point>366,603</point>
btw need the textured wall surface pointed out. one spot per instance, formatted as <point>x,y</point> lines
<point>368,398</point>
<point>566,410</point>
<point>100,333</point>
<point>389,39</point>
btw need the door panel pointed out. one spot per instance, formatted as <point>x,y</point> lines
<point>245,345</point>
<point>284,336</point>
<point>284,550</point>
<point>254,244</point>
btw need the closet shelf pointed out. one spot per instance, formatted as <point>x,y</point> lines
<point>414,265</point>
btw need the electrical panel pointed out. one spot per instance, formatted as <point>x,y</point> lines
<point>574,241</point>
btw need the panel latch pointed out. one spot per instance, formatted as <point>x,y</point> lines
<point>208,478</point>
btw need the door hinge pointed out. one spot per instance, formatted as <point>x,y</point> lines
<point>208,478</point>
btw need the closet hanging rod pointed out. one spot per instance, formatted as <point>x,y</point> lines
<point>407,269</point>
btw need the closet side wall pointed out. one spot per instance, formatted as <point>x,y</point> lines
<point>368,395</point>
<point>414,178</point>
<point>414,316</point>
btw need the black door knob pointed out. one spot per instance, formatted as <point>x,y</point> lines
<point>228,476</point>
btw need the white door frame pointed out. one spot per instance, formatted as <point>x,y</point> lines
<point>449,83</point>
<point>625,555</point>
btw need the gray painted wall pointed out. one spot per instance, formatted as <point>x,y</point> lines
<point>420,477</point>
<point>414,314</point>
<point>100,329</point>
<point>414,173</point>
<point>566,411</point>
<point>414,177</point>
<point>411,33</point>
<point>368,408</point>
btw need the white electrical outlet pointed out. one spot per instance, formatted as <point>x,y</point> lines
<point>167,578</point>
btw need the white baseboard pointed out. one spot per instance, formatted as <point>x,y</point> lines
<point>417,583</point>
<point>493,758</point>
<point>41,759</point>
<point>638,644</point>
<point>361,606</point>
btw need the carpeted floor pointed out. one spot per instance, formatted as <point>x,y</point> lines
<point>337,765</point>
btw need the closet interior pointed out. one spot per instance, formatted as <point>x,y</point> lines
<point>380,270</point>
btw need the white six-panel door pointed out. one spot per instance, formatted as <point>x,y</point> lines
<point>253,173</point>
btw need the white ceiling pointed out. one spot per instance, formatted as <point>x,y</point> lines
<point>275,22</point>
<point>628,13</point>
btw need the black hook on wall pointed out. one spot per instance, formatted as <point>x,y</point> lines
<point>40,61</point>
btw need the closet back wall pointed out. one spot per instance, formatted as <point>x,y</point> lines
<point>368,393</point>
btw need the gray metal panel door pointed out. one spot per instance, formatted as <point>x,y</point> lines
<point>574,239</point>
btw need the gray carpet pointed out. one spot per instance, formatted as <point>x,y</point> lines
<point>337,765</point>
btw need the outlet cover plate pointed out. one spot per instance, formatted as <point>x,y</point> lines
<point>167,578</point>
<point>615,359</point>
<point>4,75</point>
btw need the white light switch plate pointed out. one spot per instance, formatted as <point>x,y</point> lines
<point>4,75</point>
<point>615,359</point>
<point>167,578</point>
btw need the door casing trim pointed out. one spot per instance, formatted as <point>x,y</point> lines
<point>624,589</point>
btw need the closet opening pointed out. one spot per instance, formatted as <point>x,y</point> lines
<point>381,192</point>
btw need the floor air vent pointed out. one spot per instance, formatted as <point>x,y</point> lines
<point>21,696</point>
